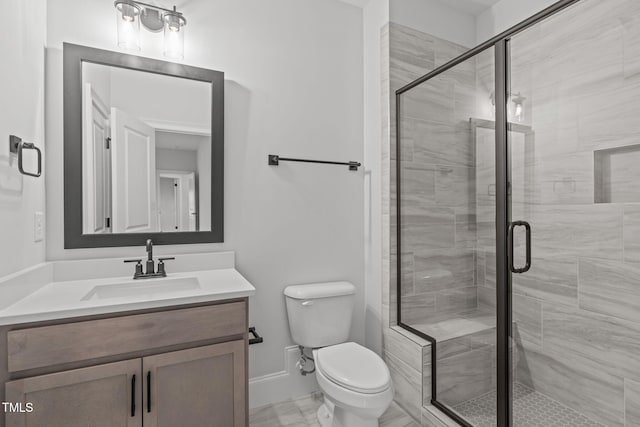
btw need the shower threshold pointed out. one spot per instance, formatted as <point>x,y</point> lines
<point>530,408</point>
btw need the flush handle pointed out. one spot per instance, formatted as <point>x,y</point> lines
<point>307,303</point>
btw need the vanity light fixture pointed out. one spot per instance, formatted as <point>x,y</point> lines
<point>131,13</point>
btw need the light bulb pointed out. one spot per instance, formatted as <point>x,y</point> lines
<point>128,24</point>
<point>174,35</point>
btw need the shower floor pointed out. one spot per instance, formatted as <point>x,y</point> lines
<point>530,408</point>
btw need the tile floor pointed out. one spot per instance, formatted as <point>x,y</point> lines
<point>301,412</point>
<point>530,408</point>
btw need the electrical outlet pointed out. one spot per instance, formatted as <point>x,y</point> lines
<point>38,227</point>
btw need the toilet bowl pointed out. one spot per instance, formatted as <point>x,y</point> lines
<point>354,380</point>
<point>356,385</point>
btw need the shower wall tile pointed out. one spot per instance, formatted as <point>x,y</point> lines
<point>593,231</point>
<point>486,298</point>
<point>631,46</point>
<point>426,375</point>
<point>479,271</point>
<point>407,273</point>
<point>403,348</point>
<point>407,384</point>
<point>466,228</point>
<point>527,315</point>
<point>433,101</point>
<point>418,184</point>
<point>611,288</point>
<point>632,233</point>
<point>563,179</point>
<point>417,307</point>
<point>609,113</point>
<point>632,403</point>
<point>416,237</point>
<point>456,299</point>
<point>576,382</point>
<point>549,279</point>
<point>411,52</point>
<point>443,269</point>
<point>438,143</point>
<point>490,269</point>
<point>612,343</point>
<point>455,186</point>
<point>466,375</point>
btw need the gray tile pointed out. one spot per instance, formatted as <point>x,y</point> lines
<point>440,269</point>
<point>575,382</point>
<point>415,307</point>
<point>442,143</point>
<point>530,408</point>
<point>631,45</point>
<point>613,344</point>
<point>611,288</point>
<point>632,402</point>
<point>527,315</point>
<point>465,228</point>
<point>302,411</point>
<point>418,184</point>
<point>456,299</point>
<point>593,231</point>
<point>632,233</point>
<point>407,383</point>
<point>465,375</point>
<point>455,186</point>
<point>402,348</point>
<point>549,279</point>
<point>411,52</point>
<point>433,100</point>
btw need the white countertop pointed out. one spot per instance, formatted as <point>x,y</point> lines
<point>29,299</point>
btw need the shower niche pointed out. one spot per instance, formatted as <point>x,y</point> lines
<point>617,174</point>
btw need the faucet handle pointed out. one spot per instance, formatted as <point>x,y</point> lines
<point>138,266</point>
<point>161,261</point>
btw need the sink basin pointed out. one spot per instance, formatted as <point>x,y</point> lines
<point>144,287</point>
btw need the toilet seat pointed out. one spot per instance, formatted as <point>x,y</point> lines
<point>353,367</point>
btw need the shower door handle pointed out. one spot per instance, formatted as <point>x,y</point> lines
<point>527,229</point>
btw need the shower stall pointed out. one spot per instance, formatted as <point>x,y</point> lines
<point>518,221</point>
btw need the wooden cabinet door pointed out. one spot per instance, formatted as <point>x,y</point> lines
<point>199,387</point>
<point>100,396</point>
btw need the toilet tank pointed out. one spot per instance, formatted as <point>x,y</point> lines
<point>320,313</point>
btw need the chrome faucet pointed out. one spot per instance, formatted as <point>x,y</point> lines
<point>150,268</point>
<point>150,264</point>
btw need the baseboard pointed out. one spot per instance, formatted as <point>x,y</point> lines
<point>283,385</point>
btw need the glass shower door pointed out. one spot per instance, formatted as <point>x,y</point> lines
<point>574,162</point>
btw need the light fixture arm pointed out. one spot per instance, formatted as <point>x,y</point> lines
<point>151,6</point>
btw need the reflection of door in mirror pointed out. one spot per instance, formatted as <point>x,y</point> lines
<point>97,173</point>
<point>134,171</point>
<point>147,152</point>
<point>176,201</point>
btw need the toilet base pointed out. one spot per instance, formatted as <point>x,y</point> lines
<point>330,415</point>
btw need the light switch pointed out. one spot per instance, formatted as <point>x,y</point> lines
<point>38,227</point>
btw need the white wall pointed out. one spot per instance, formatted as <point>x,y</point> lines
<point>293,87</point>
<point>505,14</point>
<point>22,39</point>
<point>436,18</point>
<point>375,16</point>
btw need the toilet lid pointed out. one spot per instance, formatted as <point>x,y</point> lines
<point>354,367</point>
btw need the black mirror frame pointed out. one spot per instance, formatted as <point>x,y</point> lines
<point>74,56</point>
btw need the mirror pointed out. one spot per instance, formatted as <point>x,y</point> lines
<point>143,150</point>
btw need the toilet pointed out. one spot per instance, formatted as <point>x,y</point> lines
<point>354,380</point>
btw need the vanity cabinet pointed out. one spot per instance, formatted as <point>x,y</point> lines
<point>180,367</point>
<point>98,396</point>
